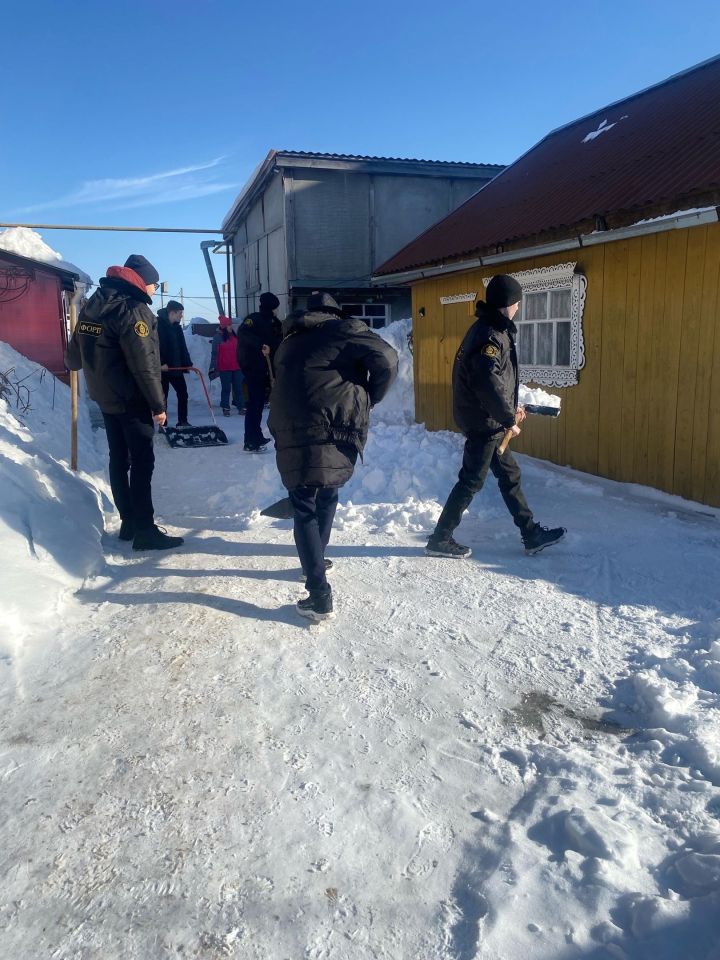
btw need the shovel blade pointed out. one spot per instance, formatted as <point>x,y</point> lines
<point>280,510</point>
<point>195,437</point>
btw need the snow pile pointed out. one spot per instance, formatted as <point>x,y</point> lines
<point>27,243</point>
<point>398,407</point>
<point>537,397</point>
<point>199,348</point>
<point>50,519</point>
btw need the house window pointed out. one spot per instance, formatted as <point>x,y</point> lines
<point>550,338</point>
<point>374,314</point>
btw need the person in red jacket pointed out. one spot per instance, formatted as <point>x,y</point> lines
<point>224,363</point>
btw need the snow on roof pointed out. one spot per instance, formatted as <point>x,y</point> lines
<point>24,242</point>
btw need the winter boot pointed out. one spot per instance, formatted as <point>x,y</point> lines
<point>317,606</point>
<point>127,529</point>
<point>155,538</point>
<point>540,537</point>
<point>226,411</point>
<point>328,566</point>
<point>264,440</point>
<point>446,547</point>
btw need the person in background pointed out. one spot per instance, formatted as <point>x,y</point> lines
<point>224,363</point>
<point>330,372</point>
<point>485,406</point>
<point>116,345</point>
<point>259,336</point>
<point>174,353</point>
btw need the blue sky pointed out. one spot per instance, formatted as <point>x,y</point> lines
<point>156,114</point>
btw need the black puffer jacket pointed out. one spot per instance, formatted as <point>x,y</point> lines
<point>173,349</point>
<point>255,330</point>
<point>485,375</point>
<point>329,372</point>
<point>116,345</point>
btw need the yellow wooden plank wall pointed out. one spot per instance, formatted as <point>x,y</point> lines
<point>647,405</point>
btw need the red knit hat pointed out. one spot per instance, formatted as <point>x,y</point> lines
<point>224,322</point>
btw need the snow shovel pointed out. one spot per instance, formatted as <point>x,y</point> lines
<point>280,510</point>
<point>196,436</point>
<point>535,410</point>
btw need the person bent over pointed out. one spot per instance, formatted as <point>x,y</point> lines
<point>329,372</point>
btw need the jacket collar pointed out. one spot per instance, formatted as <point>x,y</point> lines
<point>493,317</point>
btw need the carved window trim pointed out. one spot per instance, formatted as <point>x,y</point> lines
<point>560,276</point>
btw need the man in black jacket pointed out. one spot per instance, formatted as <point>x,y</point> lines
<point>115,344</point>
<point>174,353</point>
<point>258,338</point>
<point>485,407</point>
<point>330,372</point>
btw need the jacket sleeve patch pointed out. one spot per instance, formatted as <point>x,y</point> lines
<point>142,329</point>
<point>489,350</point>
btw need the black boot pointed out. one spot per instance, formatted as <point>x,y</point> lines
<point>446,547</point>
<point>328,566</point>
<point>540,537</point>
<point>127,529</point>
<point>317,606</point>
<point>155,538</point>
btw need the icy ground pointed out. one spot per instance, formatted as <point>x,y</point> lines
<point>504,758</point>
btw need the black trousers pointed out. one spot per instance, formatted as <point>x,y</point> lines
<point>480,455</point>
<point>130,440</point>
<point>314,509</point>
<point>177,381</point>
<point>257,388</point>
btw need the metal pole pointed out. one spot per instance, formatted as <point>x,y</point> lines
<point>205,247</point>
<point>73,395</point>
<point>228,262</point>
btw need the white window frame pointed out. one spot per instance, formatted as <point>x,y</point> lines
<point>370,320</point>
<point>561,276</point>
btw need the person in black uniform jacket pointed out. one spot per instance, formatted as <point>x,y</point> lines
<point>485,406</point>
<point>259,336</point>
<point>115,344</point>
<point>174,353</point>
<point>329,372</point>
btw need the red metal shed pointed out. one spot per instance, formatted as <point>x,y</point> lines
<point>33,309</point>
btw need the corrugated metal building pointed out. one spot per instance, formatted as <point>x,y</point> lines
<point>306,221</point>
<point>611,225</point>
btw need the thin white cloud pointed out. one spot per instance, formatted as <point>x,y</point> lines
<point>171,186</point>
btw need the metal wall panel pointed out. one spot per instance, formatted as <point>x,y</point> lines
<point>332,224</point>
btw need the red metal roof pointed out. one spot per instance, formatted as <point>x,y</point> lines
<point>659,147</point>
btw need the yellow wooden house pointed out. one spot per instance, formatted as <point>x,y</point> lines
<point>611,226</point>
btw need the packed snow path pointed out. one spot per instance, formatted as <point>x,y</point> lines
<point>506,757</point>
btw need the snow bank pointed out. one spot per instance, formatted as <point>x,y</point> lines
<point>398,407</point>
<point>27,243</point>
<point>51,520</point>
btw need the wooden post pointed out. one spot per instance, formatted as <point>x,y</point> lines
<point>73,394</point>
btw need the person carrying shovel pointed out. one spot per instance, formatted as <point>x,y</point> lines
<point>485,408</point>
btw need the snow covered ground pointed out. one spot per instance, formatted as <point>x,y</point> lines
<point>502,758</point>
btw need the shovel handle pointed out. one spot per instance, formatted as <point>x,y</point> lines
<point>202,383</point>
<point>505,442</point>
<point>270,371</point>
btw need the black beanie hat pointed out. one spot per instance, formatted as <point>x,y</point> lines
<point>323,302</point>
<point>174,305</point>
<point>269,301</point>
<point>502,291</point>
<point>143,268</point>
